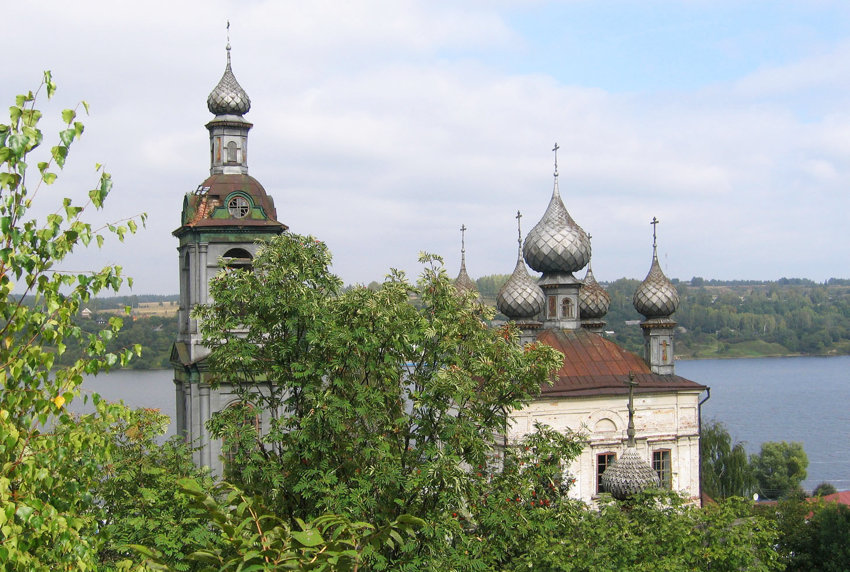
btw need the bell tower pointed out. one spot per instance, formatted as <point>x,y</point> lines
<point>220,223</point>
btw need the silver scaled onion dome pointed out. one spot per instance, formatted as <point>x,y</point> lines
<point>593,299</point>
<point>556,243</point>
<point>463,283</point>
<point>228,97</point>
<point>656,297</point>
<point>629,474</point>
<point>520,298</point>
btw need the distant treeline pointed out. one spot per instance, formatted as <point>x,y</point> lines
<point>734,318</point>
<point>717,318</point>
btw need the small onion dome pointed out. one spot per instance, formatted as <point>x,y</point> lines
<point>628,475</point>
<point>228,97</point>
<point>520,298</point>
<point>463,283</point>
<point>656,297</point>
<point>593,299</point>
<point>556,243</point>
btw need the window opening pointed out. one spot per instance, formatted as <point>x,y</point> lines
<point>231,152</point>
<point>238,258</point>
<point>603,461</point>
<point>238,207</point>
<point>662,465</point>
<point>566,308</point>
<point>553,307</point>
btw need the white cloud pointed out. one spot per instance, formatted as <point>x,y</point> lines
<point>379,130</point>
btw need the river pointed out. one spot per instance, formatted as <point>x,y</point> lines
<point>767,399</point>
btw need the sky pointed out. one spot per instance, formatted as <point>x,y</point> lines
<point>382,126</point>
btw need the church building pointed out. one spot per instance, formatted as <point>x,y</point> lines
<point>230,211</point>
<point>589,393</point>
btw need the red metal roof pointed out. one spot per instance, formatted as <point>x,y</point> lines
<point>596,366</point>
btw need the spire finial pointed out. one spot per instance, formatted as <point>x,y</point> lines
<point>519,233</point>
<point>463,244</point>
<point>654,222</point>
<point>228,43</point>
<point>555,149</point>
<point>630,432</point>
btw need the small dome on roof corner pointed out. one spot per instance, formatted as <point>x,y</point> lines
<point>656,297</point>
<point>556,243</point>
<point>593,299</point>
<point>520,298</point>
<point>629,475</point>
<point>228,97</point>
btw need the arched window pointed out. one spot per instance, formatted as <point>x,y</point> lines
<point>238,206</point>
<point>567,308</point>
<point>238,258</point>
<point>232,152</point>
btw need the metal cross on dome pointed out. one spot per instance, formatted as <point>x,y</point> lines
<point>654,222</point>
<point>555,149</point>
<point>462,238</point>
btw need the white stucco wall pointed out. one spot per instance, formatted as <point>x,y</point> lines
<point>667,420</point>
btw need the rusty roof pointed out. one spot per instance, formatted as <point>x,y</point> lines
<point>596,366</point>
<point>206,207</point>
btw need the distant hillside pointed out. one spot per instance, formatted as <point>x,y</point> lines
<point>738,318</point>
<point>717,319</point>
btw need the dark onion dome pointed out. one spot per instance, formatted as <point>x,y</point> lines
<point>593,299</point>
<point>520,298</point>
<point>228,97</point>
<point>463,283</point>
<point>557,243</point>
<point>656,297</point>
<point>628,475</point>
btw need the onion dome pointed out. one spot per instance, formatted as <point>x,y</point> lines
<point>520,298</point>
<point>228,97</point>
<point>593,299</point>
<point>656,297</point>
<point>629,474</point>
<point>463,283</point>
<point>557,243</point>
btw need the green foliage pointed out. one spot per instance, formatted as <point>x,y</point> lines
<point>49,460</point>
<point>791,316</point>
<point>726,472</point>
<point>251,538</point>
<point>654,530</point>
<point>153,335</point>
<point>381,404</point>
<point>141,501</point>
<point>779,468</point>
<point>813,535</point>
<point>824,489</point>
